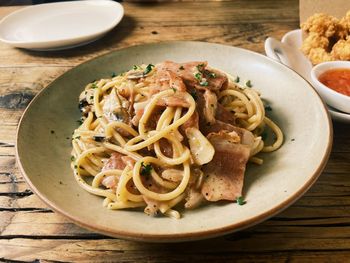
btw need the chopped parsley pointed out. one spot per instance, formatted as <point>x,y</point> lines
<point>113,75</point>
<point>76,138</point>
<point>145,169</point>
<point>194,94</point>
<point>82,104</point>
<point>80,121</point>
<point>204,82</point>
<point>198,76</point>
<point>94,86</point>
<point>148,69</point>
<point>212,75</point>
<point>174,89</point>
<point>181,67</point>
<point>135,67</point>
<point>268,108</point>
<point>240,200</point>
<point>237,79</point>
<point>200,67</point>
<point>248,84</point>
<point>72,158</point>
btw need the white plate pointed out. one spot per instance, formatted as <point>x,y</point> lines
<point>62,25</point>
<point>44,146</point>
<point>288,53</point>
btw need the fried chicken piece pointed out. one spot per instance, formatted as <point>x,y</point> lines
<point>322,24</point>
<point>318,55</point>
<point>314,40</point>
<point>341,50</point>
<point>345,22</point>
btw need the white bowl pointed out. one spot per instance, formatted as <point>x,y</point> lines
<point>331,97</point>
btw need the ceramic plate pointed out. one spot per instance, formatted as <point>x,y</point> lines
<point>62,25</point>
<point>288,53</point>
<point>44,145</point>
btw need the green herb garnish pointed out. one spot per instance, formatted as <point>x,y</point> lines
<point>174,89</point>
<point>248,84</point>
<point>72,158</point>
<point>145,169</point>
<point>200,67</point>
<point>212,75</point>
<point>237,79</point>
<point>94,86</point>
<point>240,200</point>
<point>198,76</point>
<point>204,82</point>
<point>148,69</point>
<point>113,75</point>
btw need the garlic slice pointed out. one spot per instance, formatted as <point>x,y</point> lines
<point>201,149</point>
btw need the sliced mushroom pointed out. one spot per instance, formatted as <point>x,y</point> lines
<point>116,107</point>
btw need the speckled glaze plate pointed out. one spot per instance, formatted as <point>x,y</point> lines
<point>43,145</point>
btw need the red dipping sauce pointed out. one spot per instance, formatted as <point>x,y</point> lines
<point>337,79</point>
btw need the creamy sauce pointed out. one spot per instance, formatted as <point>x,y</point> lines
<point>337,79</point>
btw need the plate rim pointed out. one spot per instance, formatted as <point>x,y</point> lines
<point>179,237</point>
<point>23,44</point>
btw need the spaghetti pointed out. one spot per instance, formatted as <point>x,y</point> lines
<point>158,136</point>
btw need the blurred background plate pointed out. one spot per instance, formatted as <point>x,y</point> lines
<point>61,25</point>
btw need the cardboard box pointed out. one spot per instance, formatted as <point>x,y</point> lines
<point>337,8</point>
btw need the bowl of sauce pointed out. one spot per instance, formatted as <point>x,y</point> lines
<point>332,82</point>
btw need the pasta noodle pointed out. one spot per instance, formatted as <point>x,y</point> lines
<point>150,136</point>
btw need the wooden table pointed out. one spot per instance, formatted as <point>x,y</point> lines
<point>315,228</point>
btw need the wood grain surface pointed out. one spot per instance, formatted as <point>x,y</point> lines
<point>315,229</point>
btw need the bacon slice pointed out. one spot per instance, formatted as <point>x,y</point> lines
<point>166,79</point>
<point>224,175</point>
<point>206,79</point>
<point>110,181</point>
<point>224,115</point>
<point>116,161</point>
<point>177,99</point>
<point>247,138</point>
